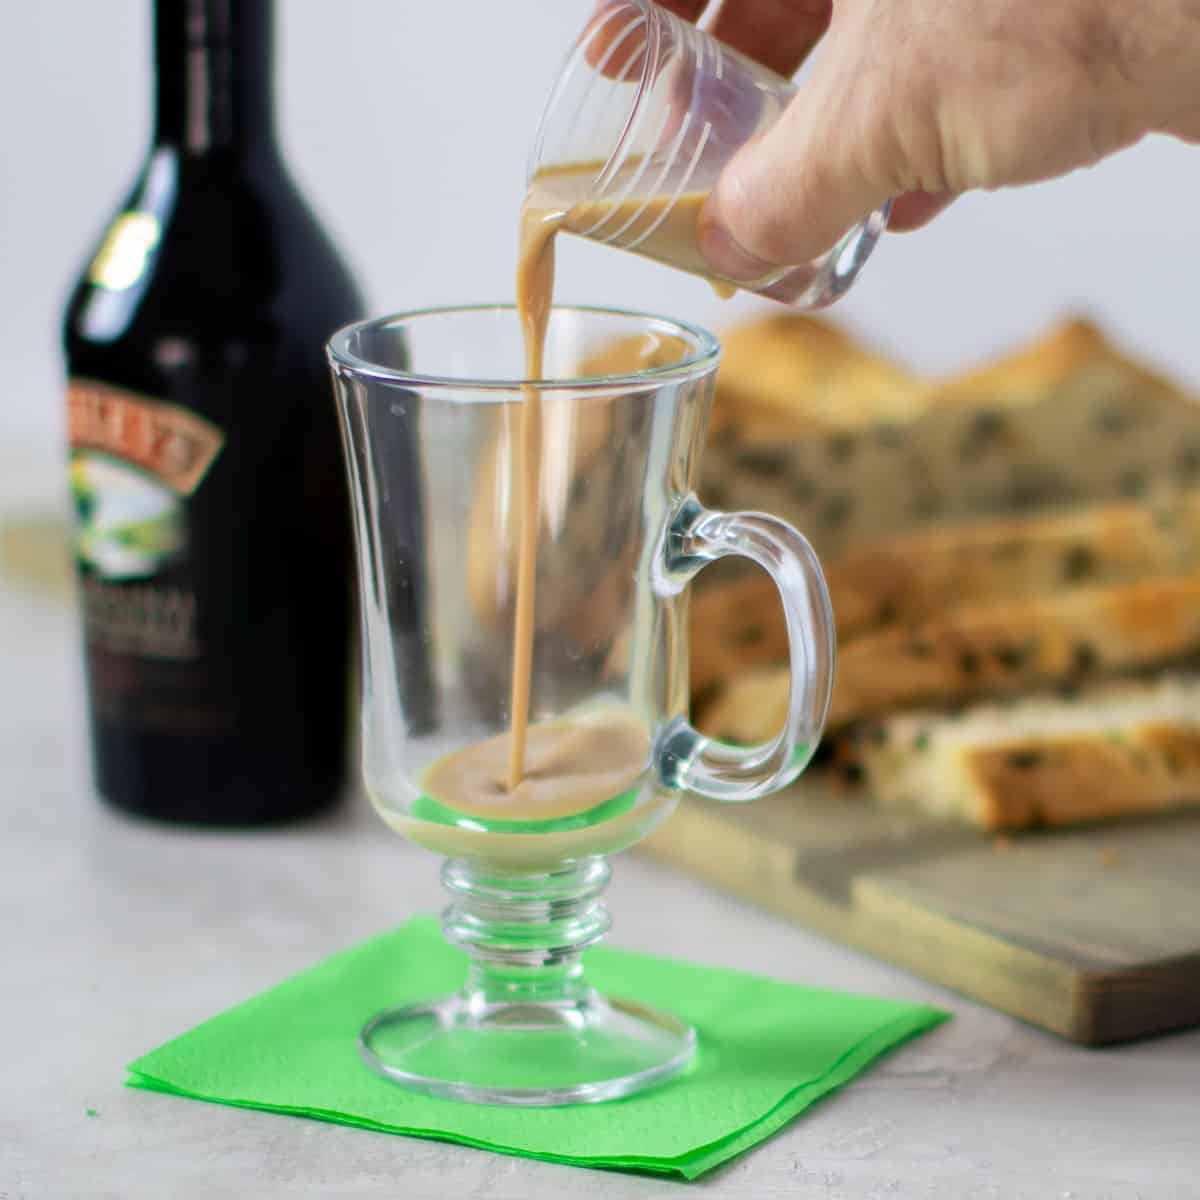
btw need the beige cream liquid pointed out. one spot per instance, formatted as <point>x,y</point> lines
<point>562,767</point>
<point>535,295</point>
<point>662,227</point>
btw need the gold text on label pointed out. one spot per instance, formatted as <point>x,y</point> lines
<point>171,443</point>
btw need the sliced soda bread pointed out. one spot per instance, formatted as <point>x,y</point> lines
<point>1069,420</point>
<point>912,577</point>
<point>1045,760</point>
<point>789,374</point>
<point>1069,636</point>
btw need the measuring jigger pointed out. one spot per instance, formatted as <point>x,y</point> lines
<point>645,113</point>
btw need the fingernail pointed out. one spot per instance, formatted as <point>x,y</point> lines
<point>722,250</point>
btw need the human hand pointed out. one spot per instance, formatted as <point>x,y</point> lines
<point>923,100</point>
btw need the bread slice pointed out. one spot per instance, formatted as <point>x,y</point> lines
<point>914,577</point>
<point>1069,636</point>
<point>1067,421</point>
<point>1046,760</point>
<point>791,373</point>
<point>738,623</point>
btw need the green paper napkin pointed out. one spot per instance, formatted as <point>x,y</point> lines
<point>767,1051</point>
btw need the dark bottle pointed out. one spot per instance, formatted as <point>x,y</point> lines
<point>213,545</point>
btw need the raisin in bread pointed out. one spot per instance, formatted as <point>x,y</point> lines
<point>1069,420</point>
<point>738,624</point>
<point>1069,636</point>
<point>1046,760</point>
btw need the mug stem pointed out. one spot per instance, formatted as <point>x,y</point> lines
<point>526,1028</point>
<point>525,933</point>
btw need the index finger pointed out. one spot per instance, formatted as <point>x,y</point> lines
<point>780,34</point>
<point>615,38</point>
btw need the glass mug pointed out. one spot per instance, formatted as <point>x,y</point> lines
<point>430,405</point>
<point>645,112</point>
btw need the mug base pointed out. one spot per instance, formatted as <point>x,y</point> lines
<point>580,1051</point>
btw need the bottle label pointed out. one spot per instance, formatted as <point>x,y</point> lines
<point>168,443</point>
<point>134,462</point>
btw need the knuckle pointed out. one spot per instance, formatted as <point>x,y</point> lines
<point>947,129</point>
<point>917,146</point>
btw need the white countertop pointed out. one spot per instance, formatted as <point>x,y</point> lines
<point>117,935</point>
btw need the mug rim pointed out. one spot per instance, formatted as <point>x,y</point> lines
<point>704,357</point>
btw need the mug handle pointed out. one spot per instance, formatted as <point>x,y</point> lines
<point>688,760</point>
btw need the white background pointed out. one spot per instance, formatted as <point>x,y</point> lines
<point>407,123</point>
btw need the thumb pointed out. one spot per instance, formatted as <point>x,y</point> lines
<point>788,195</point>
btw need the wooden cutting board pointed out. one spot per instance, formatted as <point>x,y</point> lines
<point>1093,933</point>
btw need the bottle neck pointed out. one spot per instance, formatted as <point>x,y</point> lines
<point>213,65</point>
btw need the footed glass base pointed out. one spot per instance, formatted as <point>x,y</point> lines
<point>528,1054</point>
<point>526,1028</point>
